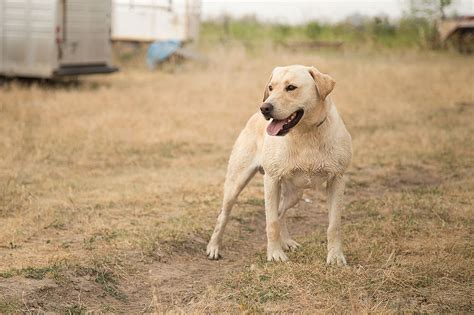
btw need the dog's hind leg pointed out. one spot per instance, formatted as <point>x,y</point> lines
<point>290,195</point>
<point>242,167</point>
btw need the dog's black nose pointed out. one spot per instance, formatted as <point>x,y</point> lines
<point>266,109</point>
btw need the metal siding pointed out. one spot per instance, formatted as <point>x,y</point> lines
<point>150,20</point>
<point>27,37</point>
<point>87,32</point>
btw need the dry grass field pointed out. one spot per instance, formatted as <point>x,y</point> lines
<point>110,187</point>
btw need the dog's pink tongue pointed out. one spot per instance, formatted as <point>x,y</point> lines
<point>275,126</point>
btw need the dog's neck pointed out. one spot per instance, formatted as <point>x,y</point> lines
<point>317,119</point>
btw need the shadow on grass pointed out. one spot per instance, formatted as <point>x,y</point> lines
<point>66,83</point>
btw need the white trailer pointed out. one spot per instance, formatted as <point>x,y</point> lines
<point>151,20</point>
<point>52,38</point>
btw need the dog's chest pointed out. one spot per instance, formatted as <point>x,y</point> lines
<point>307,163</point>
<point>307,169</point>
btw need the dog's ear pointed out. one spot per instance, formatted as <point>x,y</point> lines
<point>324,83</point>
<point>265,91</point>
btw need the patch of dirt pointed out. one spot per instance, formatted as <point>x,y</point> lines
<point>183,278</point>
<point>377,181</point>
<point>411,177</point>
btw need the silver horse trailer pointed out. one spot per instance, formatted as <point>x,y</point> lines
<point>53,38</point>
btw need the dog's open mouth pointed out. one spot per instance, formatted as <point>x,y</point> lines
<point>282,127</point>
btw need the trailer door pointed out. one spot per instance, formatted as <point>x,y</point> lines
<point>85,32</point>
<point>27,37</point>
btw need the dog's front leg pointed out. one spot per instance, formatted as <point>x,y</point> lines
<point>290,195</point>
<point>335,189</point>
<point>272,199</point>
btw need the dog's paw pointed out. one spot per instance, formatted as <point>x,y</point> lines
<point>276,254</point>
<point>336,257</point>
<point>212,251</point>
<point>289,244</point>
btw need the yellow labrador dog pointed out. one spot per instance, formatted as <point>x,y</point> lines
<point>304,145</point>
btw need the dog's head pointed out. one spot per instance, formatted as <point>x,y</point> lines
<point>291,94</point>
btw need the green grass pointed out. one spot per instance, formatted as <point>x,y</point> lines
<point>9,306</point>
<point>37,273</point>
<point>75,310</point>
<point>373,32</point>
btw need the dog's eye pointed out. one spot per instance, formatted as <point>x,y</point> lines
<point>270,88</point>
<point>290,87</point>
